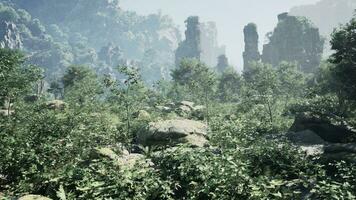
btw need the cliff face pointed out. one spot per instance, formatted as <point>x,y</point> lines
<point>294,39</point>
<point>9,36</point>
<point>209,44</point>
<point>190,47</point>
<point>200,42</point>
<point>327,14</point>
<point>251,53</point>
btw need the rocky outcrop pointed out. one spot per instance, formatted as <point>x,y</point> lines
<point>172,132</point>
<point>294,39</point>
<point>328,131</point>
<point>9,36</point>
<point>209,44</point>
<point>122,159</point>
<point>317,137</point>
<point>305,137</point>
<point>142,115</point>
<point>251,53</point>
<point>191,46</point>
<point>200,43</point>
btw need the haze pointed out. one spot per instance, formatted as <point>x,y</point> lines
<point>230,15</point>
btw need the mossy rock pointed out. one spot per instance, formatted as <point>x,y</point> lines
<point>172,132</point>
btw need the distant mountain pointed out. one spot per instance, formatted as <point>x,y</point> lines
<point>327,14</point>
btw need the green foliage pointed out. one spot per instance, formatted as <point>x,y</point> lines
<point>128,96</point>
<point>197,79</point>
<point>230,84</point>
<point>16,78</point>
<point>53,152</point>
<point>76,73</point>
<point>262,87</point>
<point>343,43</point>
<point>47,142</point>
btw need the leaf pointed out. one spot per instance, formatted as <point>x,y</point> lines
<point>278,194</point>
<point>61,194</point>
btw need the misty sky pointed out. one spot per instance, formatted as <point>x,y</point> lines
<point>230,15</point>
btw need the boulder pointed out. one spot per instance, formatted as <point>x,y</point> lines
<point>122,159</point>
<point>56,105</point>
<point>334,133</point>
<point>33,197</point>
<point>331,152</point>
<point>305,137</point>
<point>173,132</point>
<point>142,115</point>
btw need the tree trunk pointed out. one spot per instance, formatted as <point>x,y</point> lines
<point>128,111</point>
<point>270,111</point>
<point>207,107</point>
<point>8,107</point>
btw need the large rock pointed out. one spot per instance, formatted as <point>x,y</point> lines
<point>10,36</point>
<point>142,115</point>
<point>173,132</point>
<point>33,197</point>
<point>122,159</point>
<point>331,152</point>
<point>305,137</point>
<point>251,53</point>
<point>334,133</point>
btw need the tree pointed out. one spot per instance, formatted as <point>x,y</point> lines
<point>223,63</point>
<point>343,42</point>
<point>291,80</point>
<point>229,86</point>
<point>262,87</point>
<point>16,78</point>
<point>129,92</point>
<point>76,73</point>
<point>198,78</point>
<point>81,86</point>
